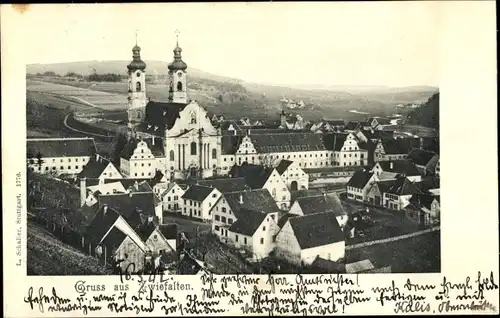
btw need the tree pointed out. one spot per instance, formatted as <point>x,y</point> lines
<point>119,143</point>
<point>220,98</point>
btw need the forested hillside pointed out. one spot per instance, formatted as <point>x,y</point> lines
<point>426,115</point>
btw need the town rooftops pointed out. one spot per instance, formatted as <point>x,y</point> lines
<point>113,240</point>
<point>321,203</point>
<point>315,230</point>
<point>283,165</point>
<point>230,144</point>
<point>423,200</point>
<point>289,142</point>
<point>394,146</point>
<point>225,185</point>
<point>327,266</point>
<point>359,179</point>
<point>169,231</point>
<point>352,125</point>
<point>334,141</point>
<point>401,166</point>
<point>248,222</point>
<point>131,205</point>
<point>403,186</point>
<point>359,267</point>
<point>94,167</point>
<point>197,192</point>
<point>382,121</point>
<point>156,148</point>
<point>428,183</point>
<point>420,157</point>
<point>255,176</point>
<point>257,200</point>
<point>101,223</point>
<point>60,147</point>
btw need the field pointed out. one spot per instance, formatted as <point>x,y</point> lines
<point>419,254</point>
<point>47,255</point>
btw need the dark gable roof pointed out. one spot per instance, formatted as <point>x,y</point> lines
<point>101,223</point>
<point>197,193</point>
<point>403,186</point>
<point>248,223</point>
<point>126,182</point>
<point>256,200</point>
<point>422,200</point>
<point>161,115</point>
<point>156,149</point>
<point>226,184</point>
<point>322,265</point>
<point>230,144</point>
<point>420,157</point>
<point>60,147</point>
<point>393,147</point>
<point>113,240</point>
<point>284,218</point>
<point>359,179</point>
<point>142,186</point>
<point>402,166</point>
<point>169,231</point>
<point>283,165</point>
<point>385,185</point>
<point>352,125</point>
<point>383,121</point>
<point>255,175</point>
<point>335,122</point>
<point>145,230</point>
<point>334,141</point>
<point>291,142</point>
<point>316,230</point>
<point>428,183</point>
<point>130,205</point>
<point>94,168</point>
<point>322,203</point>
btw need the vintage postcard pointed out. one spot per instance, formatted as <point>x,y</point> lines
<point>249,159</point>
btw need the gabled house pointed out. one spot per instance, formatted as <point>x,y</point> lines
<point>170,232</point>
<point>260,177</point>
<point>254,232</point>
<point>134,205</point>
<point>386,170</point>
<point>189,265</point>
<point>376,191</point>
<point>292,174</point>
<point>90,194</point>
<point>398,195</point>
<point>357,187</point>
<point>377,122</point>
<point>139,160</point>
<point>429,185</point>
<point>346,149</point>
<point>325,203</point>
<point>303,238</point>
<point>127,247</point>
<point>424,209</point>
<point>99,168</point>
<point>171,197</point>
<point>225,185</point>
<point>197,202</point>
<point>390,149</point>
<point>425,161</point>
<point>156,243</point>
<point>352,126</point>
<point>232,206</point>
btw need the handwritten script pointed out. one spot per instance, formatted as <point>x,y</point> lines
<point>306,295</point>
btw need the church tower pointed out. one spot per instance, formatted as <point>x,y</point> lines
<point>177,81</point>
<point>136,88</point>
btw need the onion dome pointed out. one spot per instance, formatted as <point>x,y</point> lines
<point>178,64</point>
<point>137,63</point>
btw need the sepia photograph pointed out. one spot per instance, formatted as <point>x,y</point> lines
<point>185,142</point>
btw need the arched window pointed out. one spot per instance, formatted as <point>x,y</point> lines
<point>172,155</point>
<point>179,86</point>
<point>193,148</point>
<point>214,153</point>
<point>139,114</point>
<point>138,86</point>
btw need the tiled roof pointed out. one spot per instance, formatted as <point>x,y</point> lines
<point>283,165</point>
<point>291,142</point>
<point>226,184</point>
<point>322,203</point>
<point>156,149</point>
<point>422,200</point>
<point>255,175</point>
<point>420,157</point>
<point>142,186</point>
<point>393,147</point>
<point>315,230</point>
<point>334,141</point>
<point>304,193</point>
<point>283,219</point>
<point>94,167</point>
<point>60,147</point>
<point>428,183</point>
<point>385,185</point>
<point>230,144</point>
<point>352,125</point>
<point>403,186</point>
<point>197,193</point>
<point>359,179</point>
<point>161,115</point>
<point>336,122</point>
<point>130,205</point>
<point>169,231</point>
<point>126,182</point>
<point>113,240</point>
<point>248,223</point>
<point>145,230</point>
<point>383,121</point>
<point>326,266</point>
<point>101,223</point>
<point>402,166</point>
<point>256,200</point>
<point>359,267</point>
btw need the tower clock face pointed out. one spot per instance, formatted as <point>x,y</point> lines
<point>179,74</point>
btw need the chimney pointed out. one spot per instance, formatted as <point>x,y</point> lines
<point>241,198</point>
<point>421,143</point>
<point>234,132</point>
<point>104,209</point>
<point>391,165</point>
<point>130,194</point>
<point>136,185</point>
<point>83,191</point>
<point>153,141</point>
<point>97,158</point>
<point>248,132</point>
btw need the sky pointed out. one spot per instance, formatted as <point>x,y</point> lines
<point>370,43</point>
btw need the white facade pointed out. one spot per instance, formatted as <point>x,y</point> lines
<point>295,178</point>
<point>361,194</point>
<point>387,175</point>
<point>297,210</point>
<point>278,190</point>
<point>351,154</point>
<point>177,81</point>
<point>171,199</point>
<point>201,209</point>
<point>192,145</point>
<point>261,243</point>
<point>142,163</point>
<point>58,165</point>
<point>136,95</point>
<point>380,155</point>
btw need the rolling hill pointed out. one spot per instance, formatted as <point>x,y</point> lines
<point>236,97</point>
